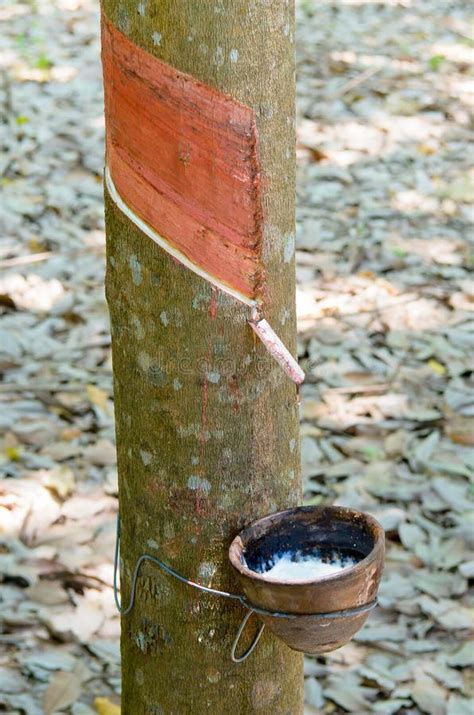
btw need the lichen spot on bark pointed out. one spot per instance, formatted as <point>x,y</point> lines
<point>195,483</point>
<point>202,298</point>
<point>219,57</point>
<point>123,20</point>
<point>206,572</point>
<point>156,375</point>
<point>213,675</point>
<point>137,327</point>
<point>136,270</point>
<point>144,361</point>
<point>140,641</point>
<point>289,248</point>
<point>146,457</point>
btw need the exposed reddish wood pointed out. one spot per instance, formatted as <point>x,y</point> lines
<point>184,157</point>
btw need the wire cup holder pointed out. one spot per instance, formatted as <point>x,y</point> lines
<point>241,599</point>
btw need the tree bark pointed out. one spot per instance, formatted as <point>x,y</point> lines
<point>207,422</point>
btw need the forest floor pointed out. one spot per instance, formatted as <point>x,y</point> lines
<point>386,335</point>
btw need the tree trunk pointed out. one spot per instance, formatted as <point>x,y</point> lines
<point>207,422</point>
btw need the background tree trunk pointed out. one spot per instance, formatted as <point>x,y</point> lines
<point>207,422</point>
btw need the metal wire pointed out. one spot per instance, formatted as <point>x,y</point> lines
<point>167,569</point>
<point>251,608</point>
<point>245,655</point>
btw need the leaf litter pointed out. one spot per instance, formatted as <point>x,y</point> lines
<point>386,333</point>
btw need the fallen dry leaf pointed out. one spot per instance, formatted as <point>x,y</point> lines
<point>104,706</point>
<point>63,690</point>
<point>97,396</point>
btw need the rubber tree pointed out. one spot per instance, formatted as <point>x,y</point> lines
<point>206,420</point>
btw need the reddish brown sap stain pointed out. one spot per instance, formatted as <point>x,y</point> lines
<point>184,157</point>
<point>213,305</point>
<point>235,393</point>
